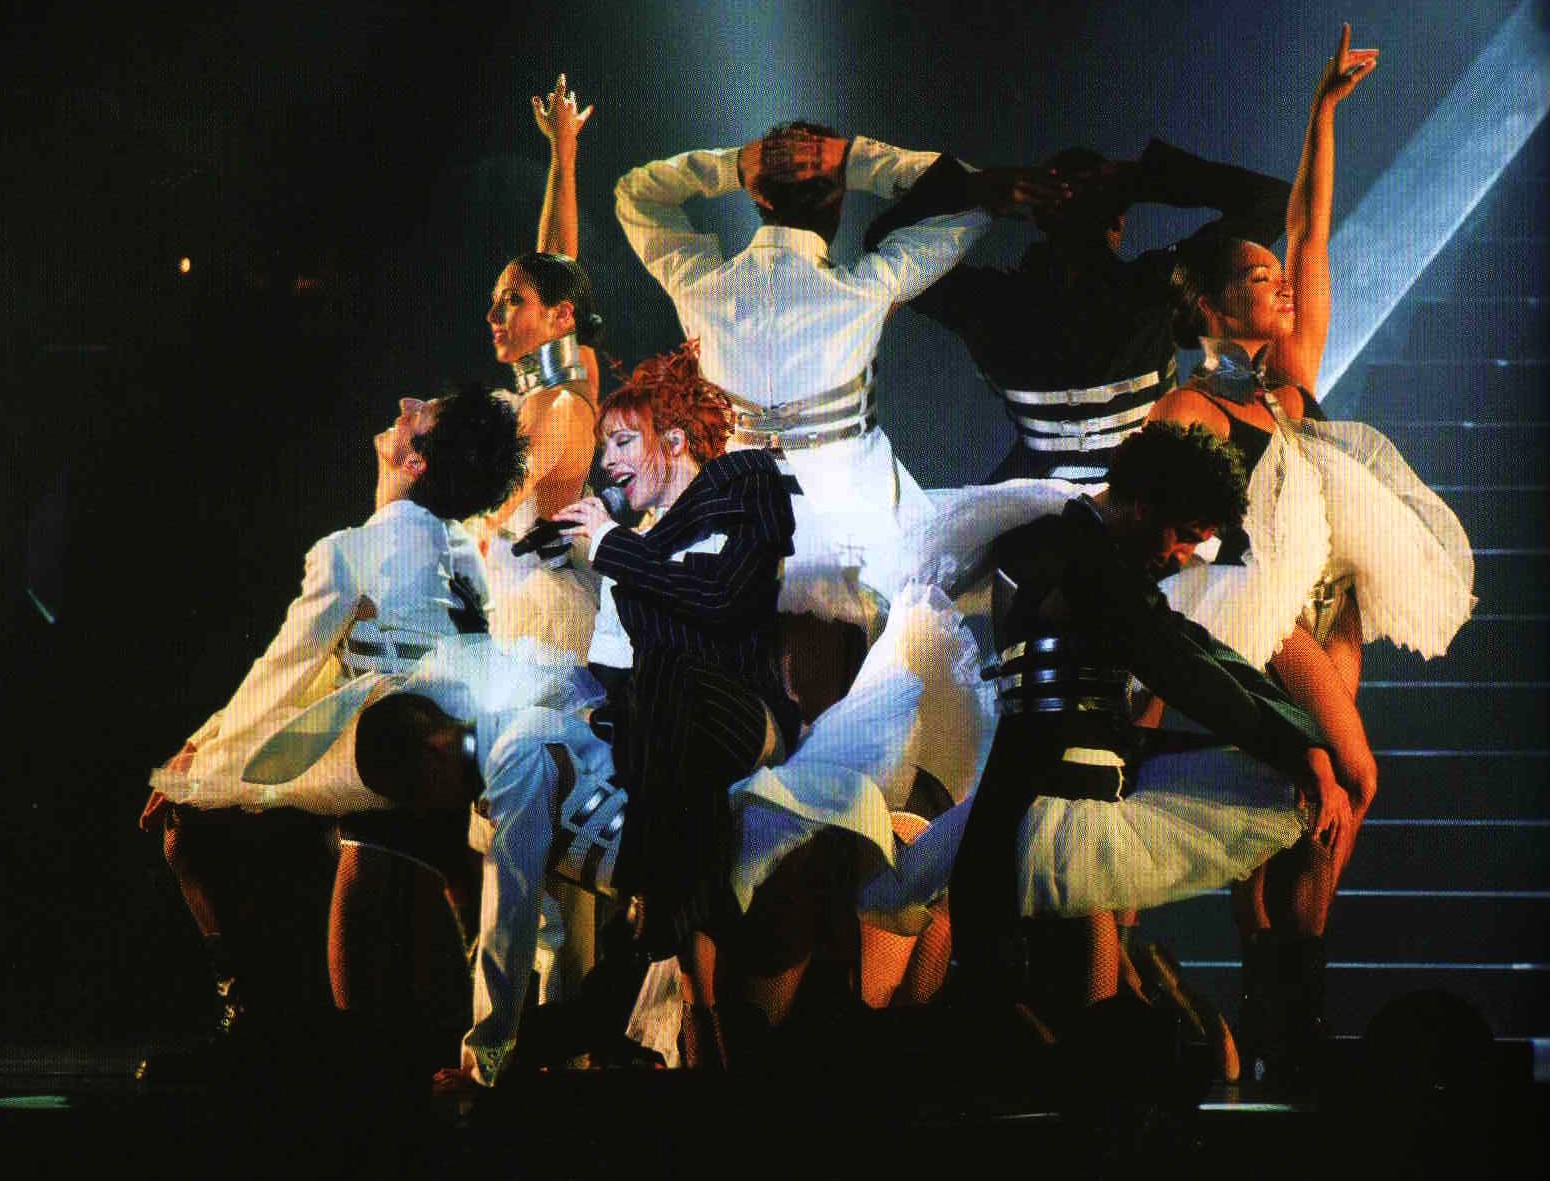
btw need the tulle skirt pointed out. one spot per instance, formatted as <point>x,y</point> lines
<point>1195,821</point>
<point>917,702</point>
<point>1335,501</point>
<point>307,760</point>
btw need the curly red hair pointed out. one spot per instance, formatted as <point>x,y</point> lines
<point>671,391</point>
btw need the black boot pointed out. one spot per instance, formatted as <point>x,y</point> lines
<point>1261,1019</point>
<point>1303,971</point>
<point>213,1052</point>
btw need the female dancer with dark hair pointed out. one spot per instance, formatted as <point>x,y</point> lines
<point>1344,544</point>
<point>542,321</point>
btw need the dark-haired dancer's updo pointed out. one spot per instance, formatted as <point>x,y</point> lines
<point>559,278</point>
<point>1204,266</point>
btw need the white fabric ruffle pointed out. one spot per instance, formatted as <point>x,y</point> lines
<point>305,764</point>
<point>951,547</point>
<point>1413,567</point>
<point>536,598</point>
<point>1336,500</point>
<point>1252,608</point>
<point>917,702</point>
<point>1194,822</point>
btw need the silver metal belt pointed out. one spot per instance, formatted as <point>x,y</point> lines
<point>359,656</point>
<point>841,413</point>
<point>1091,394</point>
<point>1088,434</point>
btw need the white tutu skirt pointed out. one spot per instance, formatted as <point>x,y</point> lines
<point>951,547</point>
<point>1335,501</point>
<point>917,702</point>
<point>315,774</point>
<point>1410,559</point>
<point>528,598</point>
<point>1194,822</point>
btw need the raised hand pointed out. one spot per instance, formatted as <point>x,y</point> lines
<point>557,116</point>
<point>1343,71</point>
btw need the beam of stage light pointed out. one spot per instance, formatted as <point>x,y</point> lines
<point>1402,222</point>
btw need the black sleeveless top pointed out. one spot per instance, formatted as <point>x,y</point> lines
<point>1229,375</point>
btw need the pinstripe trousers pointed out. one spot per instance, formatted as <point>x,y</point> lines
<point>689,730</point>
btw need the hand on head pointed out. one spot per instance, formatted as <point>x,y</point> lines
<point>790,157</point>
<point>557,116</point>
<point>1024,193</point>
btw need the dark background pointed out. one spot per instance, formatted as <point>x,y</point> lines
<point>347,183</point>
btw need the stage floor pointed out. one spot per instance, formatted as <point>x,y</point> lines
<point>68,1111</point>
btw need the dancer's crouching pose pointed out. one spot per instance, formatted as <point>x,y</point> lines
<point>1079,812</point>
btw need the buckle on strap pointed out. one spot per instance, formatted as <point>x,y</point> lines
<point>826,417</point>
<point>799,437</point>
<point>1091,394</point>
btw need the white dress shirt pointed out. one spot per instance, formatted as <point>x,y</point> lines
<point>780,322</point>
<point>374,598</point>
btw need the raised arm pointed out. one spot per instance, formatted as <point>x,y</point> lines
<point>1297,357</point>
<point>561,124</point>
<point>649,203</point>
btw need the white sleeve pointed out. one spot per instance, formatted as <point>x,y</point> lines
<point>649,202</point>
<point>315,623</point>
<point>882,169</point>
<point>915,256</point>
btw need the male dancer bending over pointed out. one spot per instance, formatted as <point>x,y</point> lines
<point>1080,812</point>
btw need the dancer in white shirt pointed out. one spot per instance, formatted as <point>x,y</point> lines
<point>790,336</point>
<point>375,598</point>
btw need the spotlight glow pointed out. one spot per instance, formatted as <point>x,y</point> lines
<point>1419,203</point>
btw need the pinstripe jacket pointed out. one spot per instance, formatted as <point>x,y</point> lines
<point>705,578</point>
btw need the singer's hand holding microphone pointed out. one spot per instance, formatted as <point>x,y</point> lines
<point>579,520</point>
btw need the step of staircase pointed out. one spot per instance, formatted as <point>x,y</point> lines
<point>1453,855</point>
<point>1500,516</point>
<point>1510,996</point>
<point>1472,329</point>
<point>1455,452</point>
<point>1467,785</point>
<point>1488,648</point>
<point>1413,716</point>
<point>1479,389</point>
<point>1488,266</point>
<point>1395,925</point>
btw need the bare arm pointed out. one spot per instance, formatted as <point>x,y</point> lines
<point>560,446</point>
<point>1298,357</point>
<point>561,124</point>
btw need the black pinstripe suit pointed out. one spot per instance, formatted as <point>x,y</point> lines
<point>703,627</point>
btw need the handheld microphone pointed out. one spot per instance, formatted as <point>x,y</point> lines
<point>616,502</point>
<point>546,533</point>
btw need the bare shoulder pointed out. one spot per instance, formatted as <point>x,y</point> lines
<point>1186,407</point>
